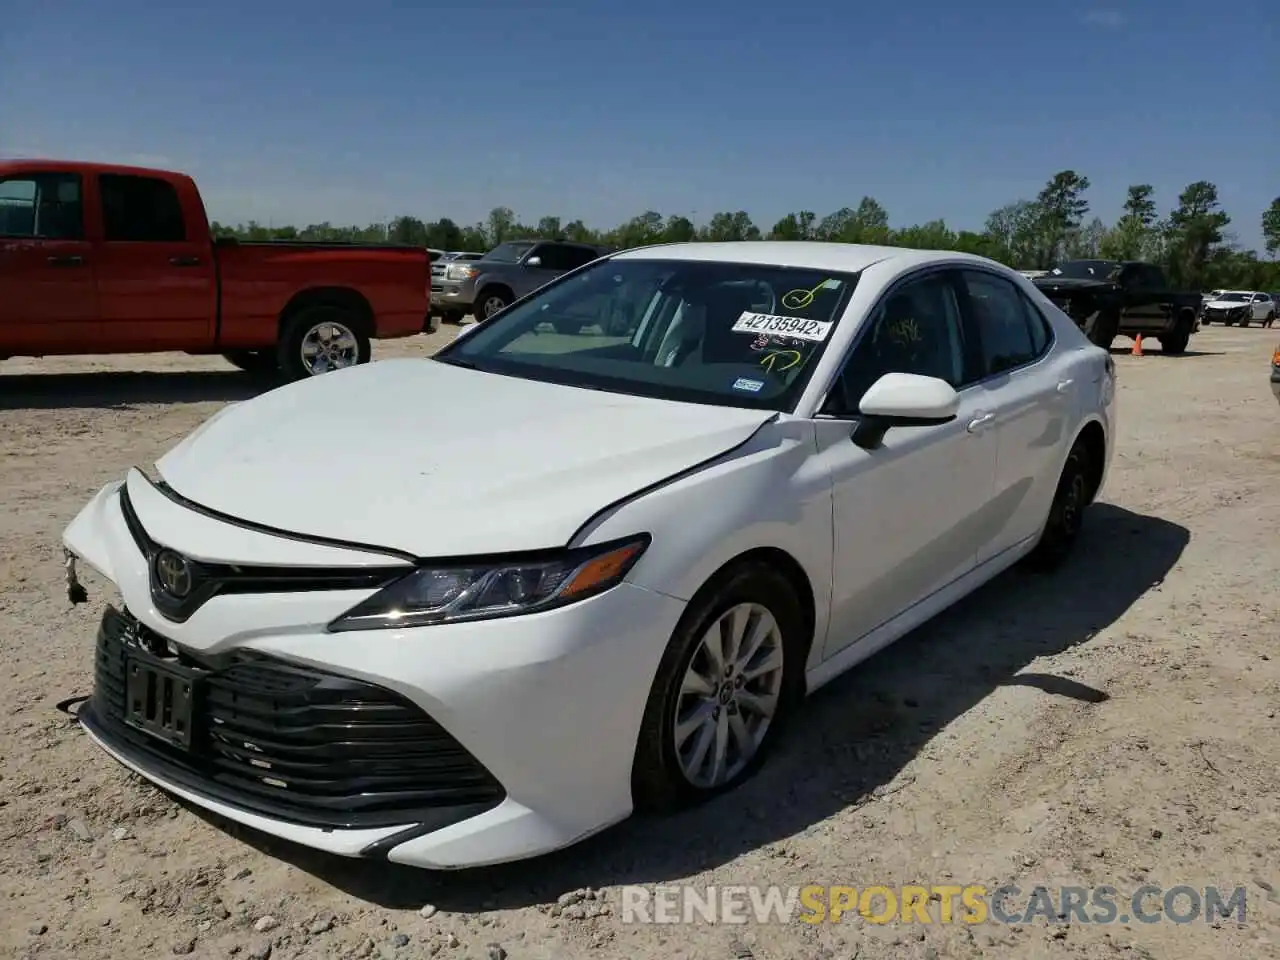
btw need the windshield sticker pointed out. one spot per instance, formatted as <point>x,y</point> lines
<point>795,328</point>
<point>799,299</point>
<point>747,384</point>
<point>778,361</point>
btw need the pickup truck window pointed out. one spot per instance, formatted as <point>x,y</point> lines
<point>46,206</point>
<point>140,210</point>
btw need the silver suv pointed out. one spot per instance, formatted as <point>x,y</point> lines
<point>505,274</point>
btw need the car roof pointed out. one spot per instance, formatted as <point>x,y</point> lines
<point>844,257</point>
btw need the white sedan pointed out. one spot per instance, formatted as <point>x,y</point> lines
<point>353,617</point>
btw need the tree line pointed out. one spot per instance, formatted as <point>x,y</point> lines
<point>1191,242</point>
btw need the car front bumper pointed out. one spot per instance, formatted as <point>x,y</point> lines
<point>452,296</point>
<point>540,712</point>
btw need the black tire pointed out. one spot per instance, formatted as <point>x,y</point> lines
<point>657,783</point>
<point>1175,343</point>
<point>1102,327</point>
<point>1066,512</point>
<point>1244,323</point>
<point>431,324</point>
<point>297,325</point>
<point>257,362</point>
<point>452,316</point>
<point>490,301</point>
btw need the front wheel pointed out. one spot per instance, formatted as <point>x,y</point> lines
<point>320,339</point>
<point>733,668</point>
<point>1102,327</point>
<point>490,302</point>
<point>1066,512</point>
<point>257,362</point>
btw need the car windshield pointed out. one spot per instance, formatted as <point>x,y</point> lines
<point>1234,297</point>
<point>1086,269</point>
<point>508,252</point>
<point>730,334</point>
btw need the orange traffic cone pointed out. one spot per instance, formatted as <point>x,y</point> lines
<point>1137,346</point>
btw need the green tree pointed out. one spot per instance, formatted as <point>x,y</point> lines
<point>1271,227</point>
<point>1060,207</point>
<point>501,225</point>
<point>1195,232</point>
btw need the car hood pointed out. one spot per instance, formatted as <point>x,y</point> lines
<point>439,461</point>
<point>1224,305</point>
<point>1064,284</point>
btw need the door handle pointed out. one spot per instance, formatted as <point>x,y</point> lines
<point>977,423</point>
<point>185,261</point>
<point>66,261</point>
<point>1064,385</point>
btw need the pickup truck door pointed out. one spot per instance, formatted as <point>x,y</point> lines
<point>157,285</point>
<point>48,302</point>
<point>1148,304</point>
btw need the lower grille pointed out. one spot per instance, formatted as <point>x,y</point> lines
<point>288,741</point>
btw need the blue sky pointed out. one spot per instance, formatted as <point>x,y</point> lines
<point>357,111</point>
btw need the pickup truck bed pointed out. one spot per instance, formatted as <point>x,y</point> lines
<point>107,259</point>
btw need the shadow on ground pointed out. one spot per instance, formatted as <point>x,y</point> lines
<point>1154,351</point>
<point>854,735</point>
<point>115,390</point>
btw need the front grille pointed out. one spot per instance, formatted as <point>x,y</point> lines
<point>293,742</point>
<point>209,580</point>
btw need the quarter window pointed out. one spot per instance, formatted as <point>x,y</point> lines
<point>45,206</point>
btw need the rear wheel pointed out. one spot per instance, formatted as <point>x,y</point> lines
<point>733,668</point>
<point>320,339</point>
<point>257,362</point>
<point>1066,512</point>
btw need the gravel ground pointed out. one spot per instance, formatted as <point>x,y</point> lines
<point>1112,724</point>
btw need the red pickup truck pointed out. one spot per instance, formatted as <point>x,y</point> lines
<point>108,259</point>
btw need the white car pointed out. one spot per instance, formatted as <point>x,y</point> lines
<point>1239,306</point>
<point>795,454</point>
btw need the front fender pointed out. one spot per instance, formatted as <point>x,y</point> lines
<point>768,493</point>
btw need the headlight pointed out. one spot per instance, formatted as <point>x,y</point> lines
<point>460,272</point>
<point>480,591</point>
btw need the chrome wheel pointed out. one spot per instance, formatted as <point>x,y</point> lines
<point>329,346</point>
<point>729,695</point>
<point>491,306</point>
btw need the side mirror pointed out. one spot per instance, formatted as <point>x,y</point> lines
<point>533,262</point>
<point>903,400</point>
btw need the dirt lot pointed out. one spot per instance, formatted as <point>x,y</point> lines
<point>1113,724</point>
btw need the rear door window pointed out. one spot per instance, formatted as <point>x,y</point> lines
<point>140,210</point>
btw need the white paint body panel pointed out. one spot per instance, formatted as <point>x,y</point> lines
<point>446,462</point>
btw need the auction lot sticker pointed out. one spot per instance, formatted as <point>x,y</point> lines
<point>797,327</point>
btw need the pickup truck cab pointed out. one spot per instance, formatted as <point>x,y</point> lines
<point>507,273</point>
<point>98,259</point>
<point>1107,298</point>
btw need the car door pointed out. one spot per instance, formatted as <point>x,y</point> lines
<point>907,515</point>
<point>156,284</point>
<point>1261,306</point>
<point>48,300</point>
<point>1031,403</point>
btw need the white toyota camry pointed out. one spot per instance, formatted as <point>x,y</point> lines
<point>472,608</point>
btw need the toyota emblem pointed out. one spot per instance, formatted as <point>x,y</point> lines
<point>174,573</point>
